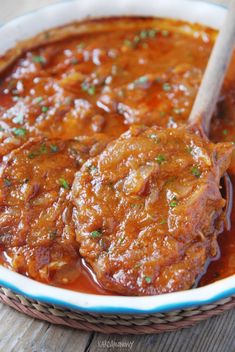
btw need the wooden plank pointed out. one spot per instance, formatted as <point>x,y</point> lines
<point>213,335</point>
<point>21,333</point>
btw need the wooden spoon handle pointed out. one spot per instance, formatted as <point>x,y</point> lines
<point>209,90</point>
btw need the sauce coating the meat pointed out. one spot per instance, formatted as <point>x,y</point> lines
<point>115,73</point>
<point>36,228</point>
<point>148,207</point>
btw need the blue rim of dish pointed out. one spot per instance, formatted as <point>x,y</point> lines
<point>118,310</point>
<point>109,309</point>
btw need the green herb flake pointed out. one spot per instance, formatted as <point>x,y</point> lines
<point>195,171</point>
<point>90,89</point>
<point>43,149</point>
<point>178,111</point>
<point>143,34</point>
<point>1,128</point>
<point>166,87</point>
<point>165,33</point>
<point>74,61</point>
<point>128,43</point>
<point>148,279</point>
<point>63,183</point>
<point>173,203</point>
<point>81,45</point>
<point>122,239</point>
<point>160,159</point>
<point>141,80</point>
<point>189,149</point>
<point>45,109</point>
<point>7,182</point>
<point>153,136</point>
<point>136,39</point>
<point>39,59</point>
<point>19,118</point>
<point>32,155</point>
<point>162,222</point>
<point>162,113</point>
<point>225,132</point>
<point>54,148</point>
<point>38,100</point>
<point>152,33</point>
<point>96,234</point>
<point>145,45</point>
<point>19,132</point>
<point>15,98</point>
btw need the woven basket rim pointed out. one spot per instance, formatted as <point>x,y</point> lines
<point>119,324</point>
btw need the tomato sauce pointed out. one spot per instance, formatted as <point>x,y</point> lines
<point>114,74</point>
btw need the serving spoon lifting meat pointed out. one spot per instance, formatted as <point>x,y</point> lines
<point>148,209</point>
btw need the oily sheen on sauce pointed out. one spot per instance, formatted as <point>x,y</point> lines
<point>126,72</point>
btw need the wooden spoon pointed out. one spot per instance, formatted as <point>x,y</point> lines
<point>211,84</point>
<point>207,97</point>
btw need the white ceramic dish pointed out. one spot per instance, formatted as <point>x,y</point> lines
<point>55,15</point>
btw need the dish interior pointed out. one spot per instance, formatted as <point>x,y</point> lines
<point>115,74</point>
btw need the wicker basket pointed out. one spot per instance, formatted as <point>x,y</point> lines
<point>118,324</point>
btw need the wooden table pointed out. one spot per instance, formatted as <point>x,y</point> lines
<point>20,333</point>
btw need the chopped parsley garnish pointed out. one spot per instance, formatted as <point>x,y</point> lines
<point>45,108</point>
<point>90,89</point>
<point>136,39</point>
<point>225,132</point>
<point>143,34</point>
<point>92,169</point>
<point>189,150</point>
<point>43,149</point>
<point>178,111</point>
<point>39,59</point>
<point>122,239</point>
<point>40,151</point>
<point>141,80</point>
<point>54,148</point>
<point>153,136</point>
<point>140,37</point>
<point>7,182</point>
<point>38,100</point>
<point>81,45</point>
<point>165,33</point>
<point>32,155</point>
<point>166,87</point>
<point>63,183</point>
<point>195,171</point>
<point>128,43</point>
<point>173,203</point>
<point>19,118</point>
<point>148,279</point>
<point>152,33</point>
<point>19,132</point>
<point>162,222</point>
<point>96,234</point>
<point>162,113</point>
<point>74,61</point>
<point>160,159</point>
